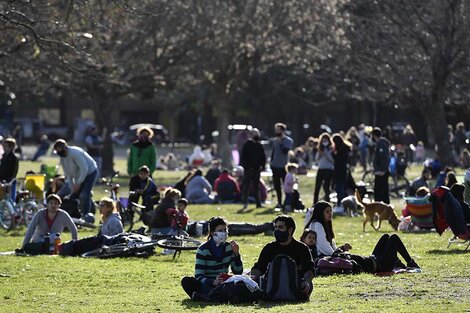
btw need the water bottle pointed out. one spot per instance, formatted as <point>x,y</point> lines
<point>57,242</point>
<point>47,243</point>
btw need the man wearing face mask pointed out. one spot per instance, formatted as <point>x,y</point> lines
<point>142,152</point>
<point>9,161</point>
<point>381,163</point>
<point>213,259</point>
<point>284,227</point>
<point>279,158</point>
<point>253,161</point>
<point>80,171</point>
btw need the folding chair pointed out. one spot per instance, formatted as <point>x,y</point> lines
<point>420,211</point>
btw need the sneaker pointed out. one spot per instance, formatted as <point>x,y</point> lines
<point>412,264</point>
<point>244,206</point>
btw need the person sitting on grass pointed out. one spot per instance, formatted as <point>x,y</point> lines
<point>142,185</point>
<point>161,218</point>
<point>227,187</point>
<point>50,220</point>
<point>213,259</point>
<point>284,227</point>
<point>309,237</point>
<point>179,216</point>
<point>384,257</point>
<point>110,218</point>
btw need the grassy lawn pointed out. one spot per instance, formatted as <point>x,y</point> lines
<point>56,284</point>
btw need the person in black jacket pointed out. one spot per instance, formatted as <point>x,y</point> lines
<point>160,221</point>
<point>381,163</point>
<point>9,161</point>
<point>340,172</point>
<point>253,160</point>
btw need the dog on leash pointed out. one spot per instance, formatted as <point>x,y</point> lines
<point>382,210</point>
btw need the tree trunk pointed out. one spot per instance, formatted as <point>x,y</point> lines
<point>224,147</point>
<point>103,118</point>
<point>436,117</point>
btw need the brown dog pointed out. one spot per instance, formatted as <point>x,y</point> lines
<point>382,210</point>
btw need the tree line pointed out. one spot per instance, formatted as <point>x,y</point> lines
<point>234,55</point>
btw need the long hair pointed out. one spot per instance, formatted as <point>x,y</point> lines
<point>325,136</point>
<point>110,206</point>
<point>340,143</point>
<point>192,174</point>
<point>319,217</point>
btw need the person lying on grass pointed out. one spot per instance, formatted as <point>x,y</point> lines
<point>213,259</point>
<point>384,257</point>
<point>284,227</point>
<point>51,220</point>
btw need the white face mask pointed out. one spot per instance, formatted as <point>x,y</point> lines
<point>219,237</point>
<point>324,143</point>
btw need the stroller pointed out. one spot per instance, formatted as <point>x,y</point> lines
<point>449,213</point>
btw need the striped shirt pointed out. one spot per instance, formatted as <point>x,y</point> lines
<point>208,266</point>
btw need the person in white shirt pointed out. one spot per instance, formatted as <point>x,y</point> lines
<point>80,171</point>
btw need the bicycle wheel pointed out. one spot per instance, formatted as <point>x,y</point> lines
<point>6,218</point>
<point>127,220</point>
<point>29,209</point>
<point>119,250</point>
<point>179,243</point>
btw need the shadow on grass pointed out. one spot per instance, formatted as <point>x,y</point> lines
<point>453,251</point>
<point>190,304</point>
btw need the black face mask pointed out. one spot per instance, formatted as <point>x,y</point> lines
<point>281,236</point>
<point>278,134</point>
<point>256,138</point>
<point>62,153</point>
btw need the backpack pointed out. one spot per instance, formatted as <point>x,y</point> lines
<point>281,281</point>
<point>330,265</point>
<point>234,293</point>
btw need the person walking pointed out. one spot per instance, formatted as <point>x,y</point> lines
<point>381,162</point>
<point>80,171</point>
<point>253,160</point>
<point>279,158</point>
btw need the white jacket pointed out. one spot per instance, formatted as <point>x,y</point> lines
<point>77,165</point>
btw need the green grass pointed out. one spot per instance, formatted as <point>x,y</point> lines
<point>56,284</point>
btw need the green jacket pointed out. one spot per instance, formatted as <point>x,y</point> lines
<point>141,153</point>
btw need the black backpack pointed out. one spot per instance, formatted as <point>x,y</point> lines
<point>281,281</point>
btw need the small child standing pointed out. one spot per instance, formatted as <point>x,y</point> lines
<point>289,181</point>
<point>419,152</point>
<point>309,237</point>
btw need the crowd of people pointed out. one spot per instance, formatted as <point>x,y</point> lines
<point>332,155</point>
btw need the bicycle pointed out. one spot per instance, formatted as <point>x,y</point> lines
<point>127,216</point>
<point>13,214</point>
<point>143,248</point>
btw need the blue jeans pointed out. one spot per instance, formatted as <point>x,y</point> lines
<point>84,193</point>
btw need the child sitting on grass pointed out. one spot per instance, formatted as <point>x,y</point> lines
<point>179,215</point>
<point>309,237</point>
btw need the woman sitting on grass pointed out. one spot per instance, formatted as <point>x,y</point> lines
<point>213,259</point>
<point>384,258</point>
<point>110,218</point>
